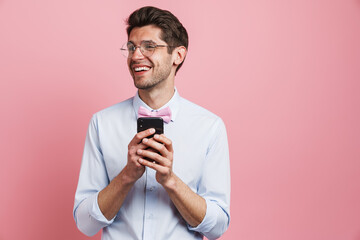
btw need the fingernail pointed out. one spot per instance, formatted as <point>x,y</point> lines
<point>139,151</point>
<point>145,140</point>
<point>152,130</point>
<point>156,136</point>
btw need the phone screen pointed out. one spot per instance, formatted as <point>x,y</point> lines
<point>151,122</point>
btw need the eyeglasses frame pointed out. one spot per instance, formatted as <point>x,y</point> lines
<point>139,46</point>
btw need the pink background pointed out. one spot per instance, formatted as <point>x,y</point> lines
<point>283,74</point>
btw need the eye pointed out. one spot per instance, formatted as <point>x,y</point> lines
<point>130,47</point>
<point>149,46</point>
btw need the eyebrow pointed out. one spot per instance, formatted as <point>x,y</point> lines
<point>146,41</point>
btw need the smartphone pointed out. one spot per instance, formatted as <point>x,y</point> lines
<point>150,122</point>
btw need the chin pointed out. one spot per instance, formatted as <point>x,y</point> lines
<point>144,87</point>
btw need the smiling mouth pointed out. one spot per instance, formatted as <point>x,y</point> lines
<point>141,69</point>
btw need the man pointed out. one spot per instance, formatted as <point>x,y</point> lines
<point>173,186</point>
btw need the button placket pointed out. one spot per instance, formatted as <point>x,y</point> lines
<point>150,205</point>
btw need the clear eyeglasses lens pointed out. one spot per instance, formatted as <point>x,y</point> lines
<point>146,49</point>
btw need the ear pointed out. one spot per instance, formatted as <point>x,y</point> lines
<point>179,55</point>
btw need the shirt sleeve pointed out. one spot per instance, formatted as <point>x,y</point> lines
<point>214,185</point>
<point>92,179</point>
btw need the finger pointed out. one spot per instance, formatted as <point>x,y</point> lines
<point>142,146</point>
<point>140,135</point>
<point>153,165</point>
<point>153,156</point>
<point>163,139</point>
<point>138,164</point>
<point>158,146</point>
<point>132,149</point>
<point>133,157</point>
<point>151,149</point>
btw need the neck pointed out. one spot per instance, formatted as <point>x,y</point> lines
<point>155,97</point>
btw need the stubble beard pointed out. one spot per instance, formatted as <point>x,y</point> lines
<point>157,77</point>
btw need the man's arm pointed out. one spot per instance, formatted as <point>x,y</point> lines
<point>191,206</point>
<point>207,210</point>
<point>111,198</point>
<point>94,210</point>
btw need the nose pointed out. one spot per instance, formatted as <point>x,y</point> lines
<point>137,54</point>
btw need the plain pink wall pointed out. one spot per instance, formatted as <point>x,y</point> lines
<point>284,75</point>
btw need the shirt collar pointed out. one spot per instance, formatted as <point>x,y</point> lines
<point>173,103</point>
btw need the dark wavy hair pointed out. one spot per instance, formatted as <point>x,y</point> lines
<point>173,32</point>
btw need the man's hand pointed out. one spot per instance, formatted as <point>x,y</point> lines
<point>133,169</point>
<point>161,160</point>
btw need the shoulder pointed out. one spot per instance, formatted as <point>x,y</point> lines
<point>193,110</point>
<point>199,118</point>
<point>115,111</point>
<point>202,123</point>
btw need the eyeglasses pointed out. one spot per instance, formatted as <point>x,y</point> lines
<point>147,48</point>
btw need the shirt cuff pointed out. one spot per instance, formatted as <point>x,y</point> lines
<point>209,220</point>
<point>95,212</point>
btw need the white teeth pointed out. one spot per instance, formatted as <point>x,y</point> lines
<point>138,69</point>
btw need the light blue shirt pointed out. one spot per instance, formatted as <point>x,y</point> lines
<point>201,160</point>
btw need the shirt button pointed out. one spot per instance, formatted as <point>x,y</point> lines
<point>152,189</point>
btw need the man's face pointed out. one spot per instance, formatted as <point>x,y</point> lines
<point>152,71</point>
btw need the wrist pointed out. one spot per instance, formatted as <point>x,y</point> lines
<point>125,177</point>
<point>171,184</point>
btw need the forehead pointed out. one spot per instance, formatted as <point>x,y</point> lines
<point>149,32</point>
